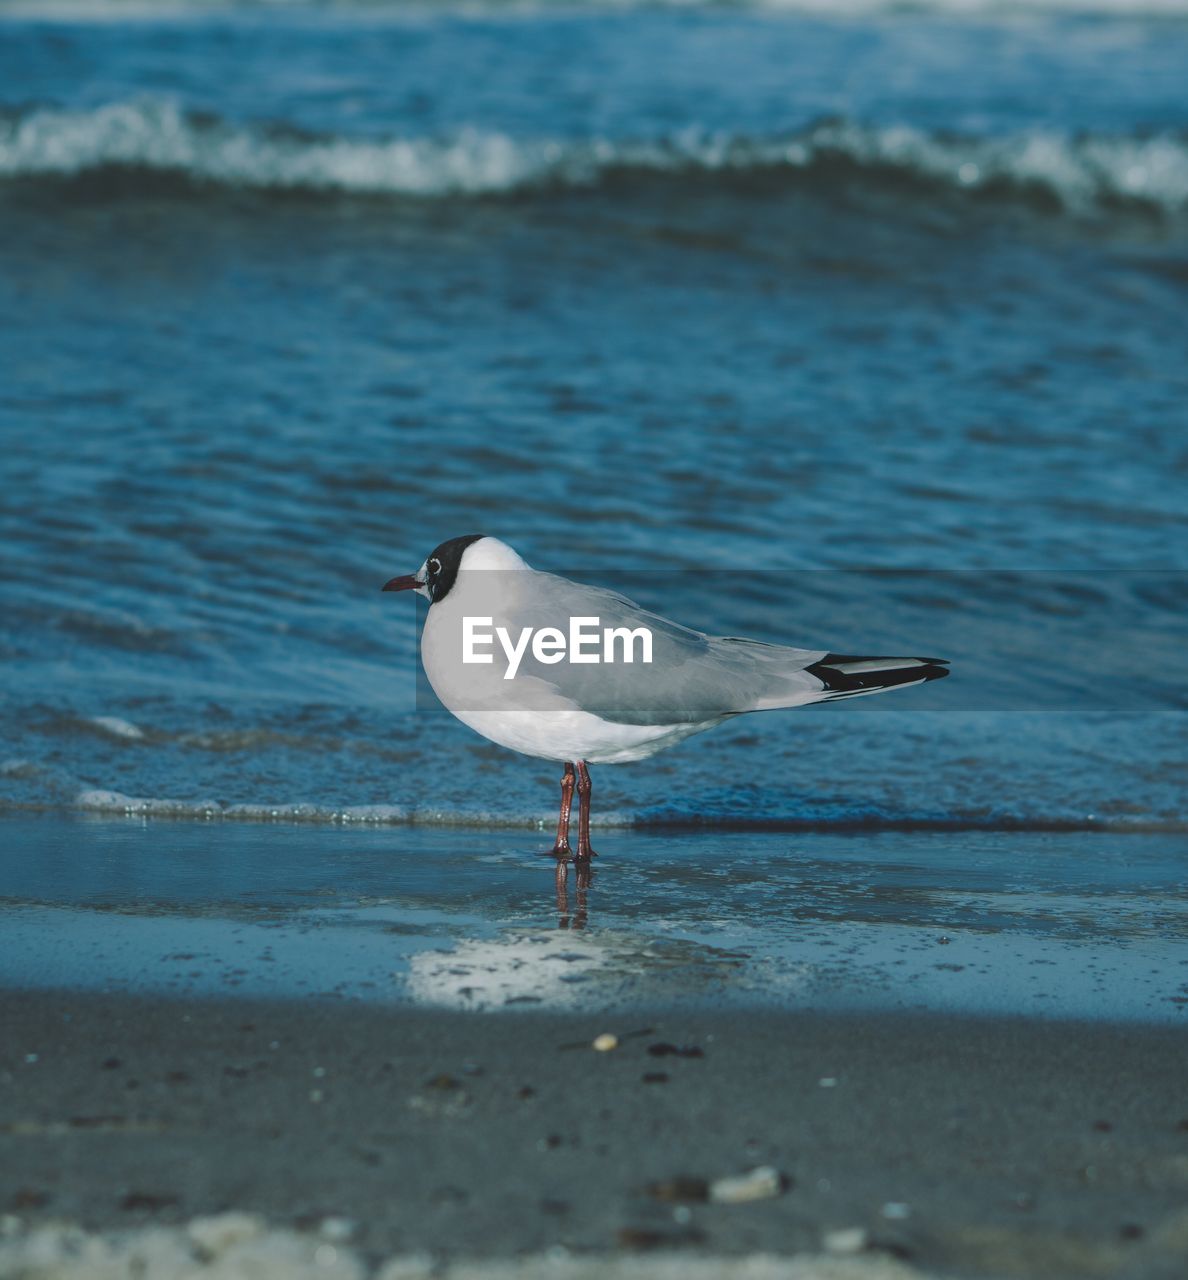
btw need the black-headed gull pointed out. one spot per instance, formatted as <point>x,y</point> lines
<point>567,672</point>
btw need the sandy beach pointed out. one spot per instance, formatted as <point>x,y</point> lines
<point>948,1146</point>
<point>276,1051</point>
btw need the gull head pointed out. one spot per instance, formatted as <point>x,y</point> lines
<point>473,551</point>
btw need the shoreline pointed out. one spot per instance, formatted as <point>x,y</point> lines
<point>114,807</point>
<point>950,1144</point>
<point>1060,926</point>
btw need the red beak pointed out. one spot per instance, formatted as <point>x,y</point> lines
<point>409,582</point>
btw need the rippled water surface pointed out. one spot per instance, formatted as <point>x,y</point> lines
<point>290,296</point>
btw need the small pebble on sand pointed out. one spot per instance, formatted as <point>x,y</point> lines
<point>682,1188</point>
<point>845,1240</point>
<point>337,1228</point>
<point>665,1050</point>
<point>222,1231</point>
<point>759,1184</point>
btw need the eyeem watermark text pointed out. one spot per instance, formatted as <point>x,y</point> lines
<point>587,641</point>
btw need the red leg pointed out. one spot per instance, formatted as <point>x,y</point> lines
<point>560,849</point>
<point>584,853</point>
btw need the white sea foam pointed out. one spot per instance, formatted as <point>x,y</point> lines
<point>101,801</point>
<point>98,800</point>
<point>1081,172</point>
<point>117,727</point>
<point>241,1246</point>
<point>131,10</point>
<point>104,801</point>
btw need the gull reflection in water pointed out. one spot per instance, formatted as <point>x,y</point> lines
<point>570,963</point>
<point>584,877</point>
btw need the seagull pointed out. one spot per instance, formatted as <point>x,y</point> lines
<point>512,652</point>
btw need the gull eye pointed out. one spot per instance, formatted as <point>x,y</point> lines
<point>434,565</point>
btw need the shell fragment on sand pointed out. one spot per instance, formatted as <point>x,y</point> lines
<point>759,1184</point>
<point>845,1240</point>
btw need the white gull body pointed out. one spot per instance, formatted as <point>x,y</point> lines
<point>615,713</point>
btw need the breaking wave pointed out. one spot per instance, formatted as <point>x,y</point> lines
<point>115,803</point>
<point>1081,173</point>
<point>122,10</point>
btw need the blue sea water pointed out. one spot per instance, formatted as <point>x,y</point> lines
<point>856,329</point>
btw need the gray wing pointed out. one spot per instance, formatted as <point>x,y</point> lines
<point>692,678</point>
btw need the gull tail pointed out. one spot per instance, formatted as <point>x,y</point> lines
<point>847,676</point>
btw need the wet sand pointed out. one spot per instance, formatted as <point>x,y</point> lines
<point>946,1145</point>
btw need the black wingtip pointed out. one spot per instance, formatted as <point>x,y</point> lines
<point>838,682</point>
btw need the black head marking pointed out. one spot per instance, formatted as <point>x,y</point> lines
<point>441,569</point>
